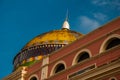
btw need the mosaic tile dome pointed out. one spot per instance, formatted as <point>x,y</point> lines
<point>63,36</point>
<point>45,44</point>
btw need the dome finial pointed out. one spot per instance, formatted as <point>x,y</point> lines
<point>66,16</point>
<point>66,24</point>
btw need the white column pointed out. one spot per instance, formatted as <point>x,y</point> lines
<point>44,72</point>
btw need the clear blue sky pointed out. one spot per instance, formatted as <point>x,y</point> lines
<point>22,20</point>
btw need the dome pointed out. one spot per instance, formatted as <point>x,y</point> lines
<point>45,44</point>
<point>63,36</point>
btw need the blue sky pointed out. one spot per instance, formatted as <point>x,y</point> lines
<point>22,20</point>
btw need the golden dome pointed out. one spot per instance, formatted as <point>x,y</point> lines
<point>63,36</point>
<point>45,44</point>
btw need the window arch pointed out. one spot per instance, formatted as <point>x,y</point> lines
<point>110,42</point>
<point>81,55</point>
<point>33,77</point>
<point>113,78</point>
<point>58,67</point>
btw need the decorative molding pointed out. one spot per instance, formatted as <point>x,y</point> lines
<point>100,72</point>
<point>81,71</point>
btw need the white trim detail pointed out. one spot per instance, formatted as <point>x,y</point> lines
<point>78,53</point>
<point>104,44</point>
<point>85,69</point>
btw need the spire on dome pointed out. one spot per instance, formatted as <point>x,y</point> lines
<point>66,24</point>
<point>66,19</point>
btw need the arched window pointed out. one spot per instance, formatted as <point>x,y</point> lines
<point>33,78</point>
<point>112,43</point>
<point>59,68</point>
<point>82,56</point>
<point>113,78</point>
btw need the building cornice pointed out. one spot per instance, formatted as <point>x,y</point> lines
<point>100,72</point>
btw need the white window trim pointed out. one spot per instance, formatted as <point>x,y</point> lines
<point>103,45</point>
<point>113,78</point>
<point>54,67</point>
<point>78,53</point>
